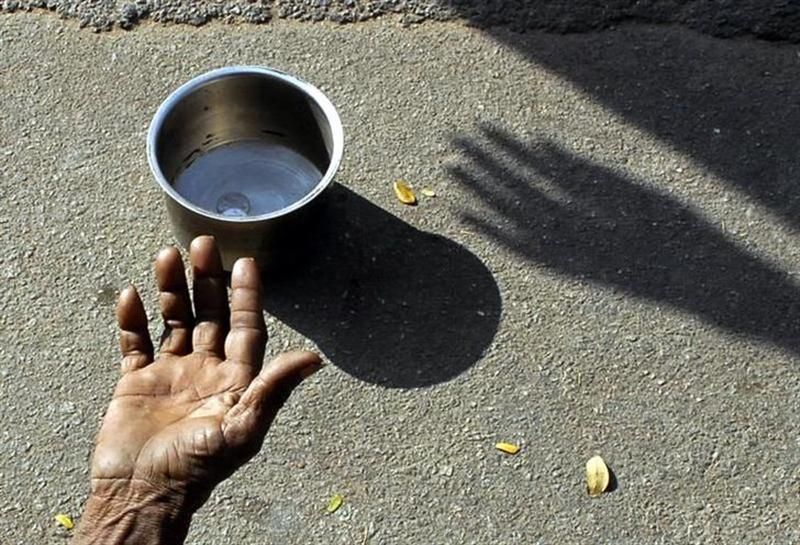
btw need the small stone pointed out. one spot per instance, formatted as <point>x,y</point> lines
<point>129,15</point>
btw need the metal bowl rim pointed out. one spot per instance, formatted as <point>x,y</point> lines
<point>327,107</point>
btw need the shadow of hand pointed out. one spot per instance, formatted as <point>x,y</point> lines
<point>592,223</point>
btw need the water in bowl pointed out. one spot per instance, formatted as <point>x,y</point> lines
<point>247,178</point>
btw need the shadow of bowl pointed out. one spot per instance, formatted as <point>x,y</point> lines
<point>387,303</point>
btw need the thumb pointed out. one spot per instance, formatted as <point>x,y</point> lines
<point>248,421</point>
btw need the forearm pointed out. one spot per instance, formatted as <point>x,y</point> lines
<point>133,517</point>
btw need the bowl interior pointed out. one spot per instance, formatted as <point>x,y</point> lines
<point>244,144</point>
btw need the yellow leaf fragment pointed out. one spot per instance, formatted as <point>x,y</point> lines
<point>428,192</point>
<point>508,448</point>
<point>64,521</point>
<point>597,476</point>
<point>334,503</point>
<point>404,193</point>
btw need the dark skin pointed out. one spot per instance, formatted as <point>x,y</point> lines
<point>182,422</point>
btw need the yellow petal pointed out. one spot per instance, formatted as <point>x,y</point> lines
<point>64,521</point>
<point>508,448</point>
<point>334,503</point>
<point>428,192</point>
<point>597,476</point>
<point>404,193</point>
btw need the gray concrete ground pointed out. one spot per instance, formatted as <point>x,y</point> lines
<point>610,267</point>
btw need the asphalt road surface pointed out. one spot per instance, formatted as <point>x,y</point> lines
<point>610,266</point>
<point>767,19</point>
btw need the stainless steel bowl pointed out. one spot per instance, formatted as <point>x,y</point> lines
<point>242,153</point>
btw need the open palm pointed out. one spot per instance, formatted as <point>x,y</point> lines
<point>186,420</point>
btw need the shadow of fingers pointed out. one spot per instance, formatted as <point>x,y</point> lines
<point>618,232</point>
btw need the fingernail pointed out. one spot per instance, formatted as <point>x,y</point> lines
<point>239,263</point>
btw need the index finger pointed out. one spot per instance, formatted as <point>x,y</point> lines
<point>247,338</point>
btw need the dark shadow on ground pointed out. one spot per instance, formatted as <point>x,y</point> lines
<point>386,302</point>
<point>591,223</point>
<point>731,105</point>
<point>766,19</point>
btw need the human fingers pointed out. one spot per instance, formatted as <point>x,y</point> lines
<point>248,421</point>
<point>134,337</point>
<point>210,297</point>
<point>176,306</point>
<point>248,334</point>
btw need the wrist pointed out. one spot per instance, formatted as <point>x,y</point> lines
<point>133,513</point>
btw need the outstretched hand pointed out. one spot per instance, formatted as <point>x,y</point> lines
<point>180,423</point>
